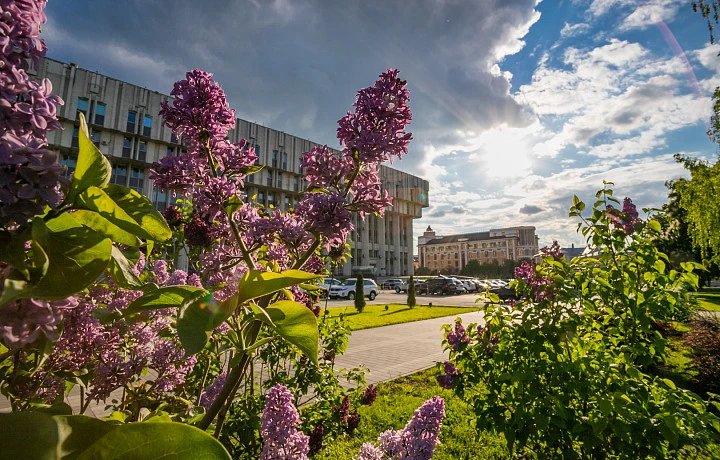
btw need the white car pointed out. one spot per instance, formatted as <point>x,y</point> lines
<point>347,289</point>
<point>325,285</point>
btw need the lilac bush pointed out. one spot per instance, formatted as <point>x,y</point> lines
<point>279,428</point>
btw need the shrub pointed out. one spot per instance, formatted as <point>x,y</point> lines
<point>360,293</point>
<point>411,293</point>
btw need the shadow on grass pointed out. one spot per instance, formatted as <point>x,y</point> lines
<point>396,311</point>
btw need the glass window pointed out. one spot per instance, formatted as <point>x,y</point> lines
<point>137,179</point>
<point>127,147</point>
<point>95,138</point>
<point>160,199</point>
<point>170,152</point>
<point>173,137</point>
<point>119,175</point>
<point>100,114</point>
<point>287,204</point>
<point>69,161</point>
<point>284,160</point>
<point>74,141</point>
<point>271,199</point>
<point>296,184</point>
<point>261,198</point>
<point>250,178</point>
<point>82,106</point>
<point>268,178</point>
<point>274,158</point>
<point>147,126</point>
<point>142,150</point>
<point>131,119</point>
<point>279,180</point>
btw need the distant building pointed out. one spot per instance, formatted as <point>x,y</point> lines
<point>452,252</point>
<point>125,126</point>
<point>572,252</point>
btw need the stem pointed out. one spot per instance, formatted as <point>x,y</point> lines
<point>204,380</point>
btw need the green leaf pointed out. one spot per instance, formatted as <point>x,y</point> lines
<point>77,257</point>
<point>233,204</point>
<point>97,222</point>
<point>295,323</point>
<point>141,210</point>
<point>659,265</point>
<point>121,270</point>
<point>165,297</point>
<point>197,319</point>
<point>247,170</point>
<point>38,435</point>
<point>92,168</point>
<point>316,189</point>
<point>654,226</point>
<point>95,199</point>
<point>13,289</point>
<point>156,441</point>
<point>257,283</point>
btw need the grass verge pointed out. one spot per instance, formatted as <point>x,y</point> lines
<point>395,404</point>
<point>708,300</point>
<point>377,315</point>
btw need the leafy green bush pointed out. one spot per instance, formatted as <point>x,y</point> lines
<point>360,293</point>
<point>562,371</point>
<point>411,293</point>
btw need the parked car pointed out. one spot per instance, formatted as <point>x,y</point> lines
<point>347,289</point>
<point>469,286</point>
<point>444,286</point>
<point>460,287</point>
<point>325,285</point>
<point>391,283</point>
<point>403,287</point>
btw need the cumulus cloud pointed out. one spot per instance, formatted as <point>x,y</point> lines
<point>641,15</point>
<point>530,209</point>
<point>573,30</point>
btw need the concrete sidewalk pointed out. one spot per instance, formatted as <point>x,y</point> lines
<point>401,349</point>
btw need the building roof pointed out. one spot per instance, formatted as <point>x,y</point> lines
<point>478,236</point>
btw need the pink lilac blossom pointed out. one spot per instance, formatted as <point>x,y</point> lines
<point>325,168</point>
<point>22,322</point>
<point>279,424</point>
<point>539,285</point>
<point>376,130</point>
<point>369,395</point>
<point>627,218</point>
<point>457,336</point>
<point>160,271</point>
<point>552,251</point>
<point>212,391</point>
<point>447,380</point>
<point>325,214</point>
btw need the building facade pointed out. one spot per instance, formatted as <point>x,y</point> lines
<point>450,254</point>
<point>125,126</point>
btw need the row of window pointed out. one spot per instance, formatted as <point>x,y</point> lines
<point>94,112</point>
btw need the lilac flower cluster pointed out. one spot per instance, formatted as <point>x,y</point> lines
<point>279,424</point>
<point>369,395</point>
<point>316,439</point>
<point>539,285</point>
<point>416,441</point>
<point>627,218</point>
<point>552,251</point>
<point>376,130</point>
<point>447,380</point>
<point>212,391</point>
<point>29,175</point>
<point>487,337</point>
<point>457,337</point>
<point>22,322</point>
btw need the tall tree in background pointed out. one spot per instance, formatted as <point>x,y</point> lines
<point>360,293</point>
<point>411,293</point>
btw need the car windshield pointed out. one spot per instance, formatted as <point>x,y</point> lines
<point>349,282</point>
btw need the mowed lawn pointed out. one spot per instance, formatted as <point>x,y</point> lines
<point>394,313</point>
<point>708,299</point>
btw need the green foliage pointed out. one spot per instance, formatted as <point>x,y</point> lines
<point>490,270</point>
<point>256,283</point>
<point>42,436</point>
<point>396,313</point>
<point>360,293</point>
<point>295,323</point>
<point>411,302</point>
<point>564,371</point>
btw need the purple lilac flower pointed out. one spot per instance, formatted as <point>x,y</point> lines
<point>369,395</point>
<point>325,214</point>
<point>367,194</point>
<point>627,218</point>
<point>279,427</point>
<point>539,285</point>
<point>168,359</point>
<point>369,451</point>
<point>23,321</point>
<point>343,410</point>
<point>178,278</point>
<point>316,439</point>
<point>457,336</point>
<point>377,127</point>
<point>173,216</point>
<point>353,421</point>
<point>194,280</point>
<point>325,168</point>
<point>197,232</point>
<point>447,380</point>
<point>212,391</point>
<point>160,271</point>
<point>552,251</point>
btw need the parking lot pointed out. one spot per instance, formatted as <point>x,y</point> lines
<point>387,296</point>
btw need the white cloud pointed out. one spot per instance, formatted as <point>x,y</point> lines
<point>646,13</point>
<point>573,30</point>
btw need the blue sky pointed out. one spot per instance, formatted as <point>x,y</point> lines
<point>517,105</point>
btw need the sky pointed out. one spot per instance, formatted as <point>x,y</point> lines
<point>517,104</point>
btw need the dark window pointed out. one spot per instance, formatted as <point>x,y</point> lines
<point>261,198</point>
<point>95,138</point>
<point>300,168</point>
<point>100,114</point>
<point>268,180</point>
<point>147,126</point>
<point>170,152</point>
<point>74,142</point>
<point>279,180</point>
<point>296,184</point>
<point>173,138</point>
<point>82,107</point>
<point>160,199</point>
<point>142,150</point>
<point>271,199</point>
<point>137,179</point>
<point>127,147</point>
<point>251,178</point>
<point>287,204</point>
<point>275,159</point>
<point>284,160</point>
<point>119,175</point>
<point>69,162</point>
<point>132,118</point>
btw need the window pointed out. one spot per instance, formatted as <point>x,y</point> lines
<point>82,107</point>
<point>100,114</point>
<point>119,175</point>
<point>127,147</point>
<point>284,160</point>
<point>296,184</point>
<point>74,142</point>
<point>131,119</point>
<point>261,198</point>
<point>268,178</point>
<point>173,137</point>
<point>170,152</point>
<point>137,179</point>
<point>147,126</point>
<point>287,204</point>
<point>271,199</point>
<point>300,168</point>
<point>142,150</point>
<point>160,199</point>
<point>274,158</point>
<point>251,178</point>
<point>69,162</point>
<point>95,138</point>
<point>279,180</point>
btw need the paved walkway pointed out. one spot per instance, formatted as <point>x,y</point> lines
<point>394,351</point>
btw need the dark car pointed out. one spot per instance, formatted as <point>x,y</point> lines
<point>391,283</point>
<point>445,286</point>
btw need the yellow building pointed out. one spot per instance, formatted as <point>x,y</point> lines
<point>449,254</point>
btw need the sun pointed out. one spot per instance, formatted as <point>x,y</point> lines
<point>504,153</point>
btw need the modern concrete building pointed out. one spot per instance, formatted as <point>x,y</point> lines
<point>125,125</point>
<point>449,254</point>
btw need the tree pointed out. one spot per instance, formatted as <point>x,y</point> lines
<point>411,293</point>
<point>360,293</point>
<point>423,271</point>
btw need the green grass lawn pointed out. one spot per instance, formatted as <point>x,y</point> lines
<point>708,300</point>
<point>395,404</point>
<point>377,315</point>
